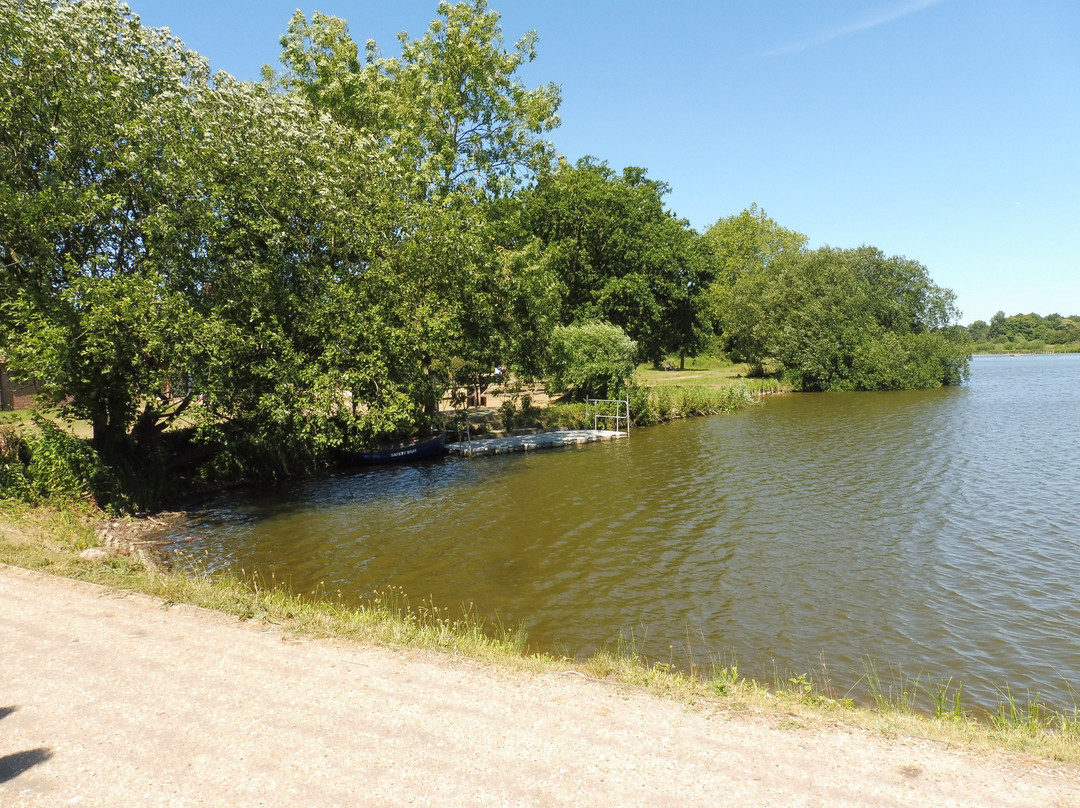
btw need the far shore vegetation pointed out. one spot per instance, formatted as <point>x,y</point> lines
<point>1025,333</point>
<point>50,540</point>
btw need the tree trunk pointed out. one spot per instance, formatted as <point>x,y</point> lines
<point>104,435</point>
<point>108,435</point>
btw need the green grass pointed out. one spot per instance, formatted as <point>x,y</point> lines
<point>707,386</point>
<point>21,419</point>
<point>49,540</point>
<point>701,371</point>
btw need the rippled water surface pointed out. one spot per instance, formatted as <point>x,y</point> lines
<point>937,532</point>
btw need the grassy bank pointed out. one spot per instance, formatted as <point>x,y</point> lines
<point>51,540</point>
<point>707,386</point>
<point>650,406</point>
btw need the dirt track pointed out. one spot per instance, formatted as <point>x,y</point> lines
<point>117,700</point>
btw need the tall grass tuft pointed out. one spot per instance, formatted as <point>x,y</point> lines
<point>1030,718</point>
<point>948,704</point>
<point>723,679</point>
<point>657,405</point>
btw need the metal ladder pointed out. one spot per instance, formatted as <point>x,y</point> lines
<point>622,413</point>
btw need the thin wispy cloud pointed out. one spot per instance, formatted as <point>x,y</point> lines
<point>864,24</point>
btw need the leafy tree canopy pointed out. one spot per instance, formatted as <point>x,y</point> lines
<point>465,133</point>
<point>91,101</point>
<point>620,256</point>
<point>452,104</point>
<point>165,236</point>
<point>848,320</point>
<point>748,241</point>
<point>741,245</point>
<point>1017,329</point>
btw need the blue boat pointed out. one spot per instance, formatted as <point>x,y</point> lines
<point>400,452</point>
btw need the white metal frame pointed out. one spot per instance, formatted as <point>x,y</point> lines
<point>622,413</point>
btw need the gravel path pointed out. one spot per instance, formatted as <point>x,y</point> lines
<point>110,699</point>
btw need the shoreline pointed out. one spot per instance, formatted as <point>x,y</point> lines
<point>52,543</point>
<point>111,694</point>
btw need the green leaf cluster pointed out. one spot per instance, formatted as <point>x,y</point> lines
<point>451,106</point>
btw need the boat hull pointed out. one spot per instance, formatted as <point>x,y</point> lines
<point>406,452</point>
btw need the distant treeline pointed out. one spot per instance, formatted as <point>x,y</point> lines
<point>1026,332</point>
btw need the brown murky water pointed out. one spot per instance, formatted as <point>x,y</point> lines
<point>937,532</point>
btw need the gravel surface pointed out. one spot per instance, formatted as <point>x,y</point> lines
<point>113,699</point>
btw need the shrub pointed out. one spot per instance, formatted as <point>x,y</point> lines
<point>14,455</point>
<point>908,362</point>
<point>508,412</point>
<point>643,409</point>
<point>531,415</point>
<point>664,397</point>
<point>50,465</point>
<point>567,415</point>
<point>591,360</point>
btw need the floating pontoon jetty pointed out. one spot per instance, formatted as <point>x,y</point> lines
<point>528,443</point>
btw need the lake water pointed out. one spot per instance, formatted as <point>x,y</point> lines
<point>935,532</point>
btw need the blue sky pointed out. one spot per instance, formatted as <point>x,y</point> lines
<point>947,131</point>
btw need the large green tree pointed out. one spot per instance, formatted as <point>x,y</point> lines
<point>740,246</point>
<point>165,236</point>
<point>464,132</point>
<point>453,104</point>
<point>91,102</point>
<point>848,319</point>
<point>299,282</point>
<point>620,256</point>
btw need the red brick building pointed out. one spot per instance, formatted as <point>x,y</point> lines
<point>15,395</point>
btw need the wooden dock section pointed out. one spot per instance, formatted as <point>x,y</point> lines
<point>554,439</point>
